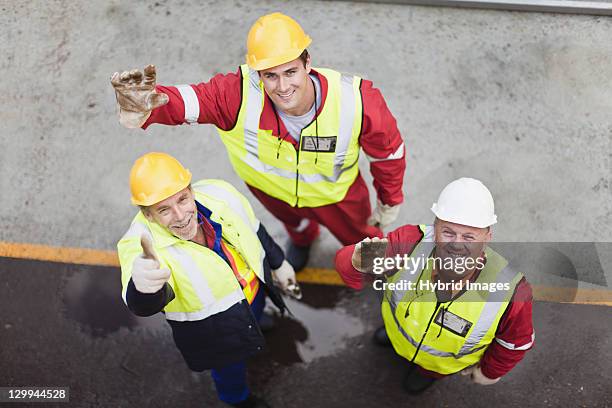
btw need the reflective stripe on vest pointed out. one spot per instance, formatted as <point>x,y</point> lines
<point>290,176</point>
<point>204,284</point>
<point>210,304</point>
<point>486,319</point>
<point>422,250</point>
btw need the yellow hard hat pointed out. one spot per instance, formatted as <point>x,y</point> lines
<point>155,177</point>
<point>273,40</point>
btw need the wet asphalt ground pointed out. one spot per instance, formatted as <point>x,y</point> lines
<point>66,325</point>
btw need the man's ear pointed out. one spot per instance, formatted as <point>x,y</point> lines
<point>147,213</point>
<point>308,66</point>
<point>489,234</point>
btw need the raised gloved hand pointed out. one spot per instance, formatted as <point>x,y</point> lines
<point>477,376</point>
<point>284,277</point>
<point>136,96</point>
<point>384,214</point>
<point>146,274</point>
<point>366,251</point>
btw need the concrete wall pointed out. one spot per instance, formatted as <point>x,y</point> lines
<point>519,100</point>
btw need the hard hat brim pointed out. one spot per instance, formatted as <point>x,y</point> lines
<point>163,194</point>
<point>259,65</point>
<point>462,221</point>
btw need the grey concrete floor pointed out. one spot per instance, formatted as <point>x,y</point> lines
<point>515,99</point>
<point>65,325</point>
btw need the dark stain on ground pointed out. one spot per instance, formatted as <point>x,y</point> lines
<point>294,329</point>
<point>90,296</point>
<point>319,326</point>
<point>323,296</point>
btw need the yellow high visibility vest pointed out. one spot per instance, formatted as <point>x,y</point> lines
<point>413,318</point>
<point>204,284</point>
<point>326,164</point>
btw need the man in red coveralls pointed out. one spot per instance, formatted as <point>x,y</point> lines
<point>451,303</point>
<point>292,133</point>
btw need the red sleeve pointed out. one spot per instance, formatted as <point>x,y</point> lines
<point>514,336</point>
<point>216,102</point>
<point>351,276</point>
<point>382,143</point>
<point>401,241</point>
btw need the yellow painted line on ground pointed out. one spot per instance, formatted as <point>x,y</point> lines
<point>320,276</point>
<point>80,256</point>
<point>572,295</point>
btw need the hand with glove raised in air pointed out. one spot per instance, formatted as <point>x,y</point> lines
<point>136,96</point>
<point>284,277</point>
<point>146,273</point>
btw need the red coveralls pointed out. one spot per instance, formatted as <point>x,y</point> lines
<point>219,101</point>
<point>514,335</point>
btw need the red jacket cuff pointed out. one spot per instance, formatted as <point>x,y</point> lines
<point>351,276</point>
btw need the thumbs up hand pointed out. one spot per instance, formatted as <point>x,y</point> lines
<point>146,274</point>
<point>366,251</point>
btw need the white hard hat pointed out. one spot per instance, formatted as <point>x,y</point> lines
<point>466,201</point>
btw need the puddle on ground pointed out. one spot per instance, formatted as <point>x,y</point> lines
<point>92,298</point>
<point>317,328</point>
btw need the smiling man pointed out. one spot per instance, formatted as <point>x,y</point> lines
<point>293,133</point>
<point>198,254</point>
<point>458,306</point>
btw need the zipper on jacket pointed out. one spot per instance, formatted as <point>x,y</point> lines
<point>254,320</point>
<point>297,161</point>
<point>425,334</point>
<point>297,171</point>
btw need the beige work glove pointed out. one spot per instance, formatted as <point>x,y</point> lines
<point>284,277</point>
<point>136,96</point>
<point>366,251</point>
<point>384,214</point>
<point>146,273</point>
<point>477,376</point>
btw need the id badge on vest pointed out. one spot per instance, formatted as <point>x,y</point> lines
<point>453,323</point>
<point>321,144</point>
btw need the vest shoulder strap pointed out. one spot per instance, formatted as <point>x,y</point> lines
<point>224,191</point>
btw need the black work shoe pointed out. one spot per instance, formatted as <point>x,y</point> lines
<point>381,338</point>
<point>297,256</point>
<point>252,401</point>
<point>266,322</point>
<point>415,383</point>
